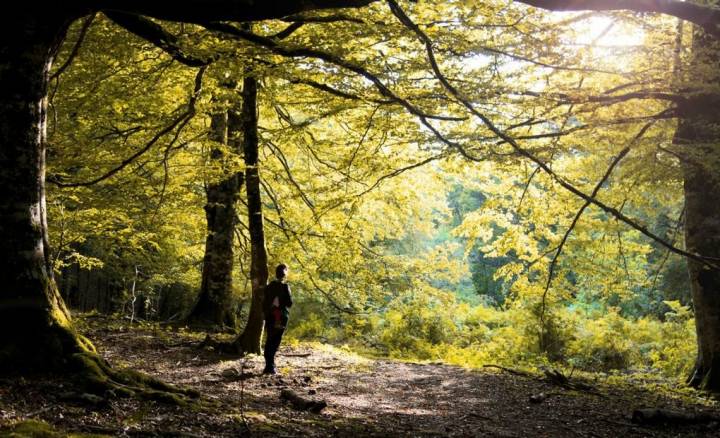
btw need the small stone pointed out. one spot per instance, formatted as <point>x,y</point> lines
<point>539,398</point>
<point>230,373</point>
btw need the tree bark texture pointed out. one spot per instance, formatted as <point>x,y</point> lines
<point>249,339</point>
<point>698,142</point>
<point>214,304</point>
<point>35,328</point>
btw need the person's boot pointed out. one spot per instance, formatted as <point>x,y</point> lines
<point>269,367</point>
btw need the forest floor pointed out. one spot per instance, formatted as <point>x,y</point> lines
<point>365,397</point>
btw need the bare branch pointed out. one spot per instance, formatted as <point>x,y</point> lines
<point>283,161</point>
<point>297,21</point>
<point>401,170</point>
<point>676,232</point>
<point>287,31</point>
<point>334,91</point>
<point>76,48</point>
<point>299,18</point>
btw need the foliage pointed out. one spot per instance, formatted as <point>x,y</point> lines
<point>432,327</point>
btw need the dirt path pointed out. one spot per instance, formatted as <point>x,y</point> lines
<point>365,398</point>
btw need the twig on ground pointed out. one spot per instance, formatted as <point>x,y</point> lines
<point>511,371</point>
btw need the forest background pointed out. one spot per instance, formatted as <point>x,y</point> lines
<point>411,228</point>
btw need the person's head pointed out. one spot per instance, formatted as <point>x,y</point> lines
<point>281,271</point>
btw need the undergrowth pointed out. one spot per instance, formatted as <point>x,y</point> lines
<point>429,327</point>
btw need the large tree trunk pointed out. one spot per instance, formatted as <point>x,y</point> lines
<point>702,236</point>
<point>35,328</point>
<point>214,305</point>
<point>698,142</point>
<point>249,339</point>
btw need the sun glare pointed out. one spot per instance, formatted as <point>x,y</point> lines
<point>603,31</point>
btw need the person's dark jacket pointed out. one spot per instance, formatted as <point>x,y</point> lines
<point>277,288</point>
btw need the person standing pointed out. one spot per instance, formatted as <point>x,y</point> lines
<point>277,301</point>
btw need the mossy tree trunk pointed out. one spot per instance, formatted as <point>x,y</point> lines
<point>214,306</point>
<point>36,333</point>
<point>249,339</point>
<point>35,328</point>
<point>698,143</point>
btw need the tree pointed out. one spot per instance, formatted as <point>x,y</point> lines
<point>249,339</point>
<point>697,142</point>
<point>24,228</point>
<point>350,156</point>
<point>120,146</point>
<point>214,303</point>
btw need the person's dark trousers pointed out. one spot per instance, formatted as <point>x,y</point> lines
<point>272,343</point>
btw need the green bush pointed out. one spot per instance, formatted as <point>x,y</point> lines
<point>418,325</point>
<point>602,344</point>
<point>430,325</point>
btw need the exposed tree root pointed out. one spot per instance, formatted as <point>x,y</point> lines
<point>705,377</point>
<point>30,428</point>
<point>98,377</point>
<point>235,347</point>
<point>54,346</point>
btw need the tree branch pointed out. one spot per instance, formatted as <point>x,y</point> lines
<point>302,52</point>
<point>157,35</point>
<point>76,48</point>
<point>707,17</point>
<point>298,21</point>
<point>205,11</point>
<point>334,91</point>
<point>401,170</point>
<point>283,161</point>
